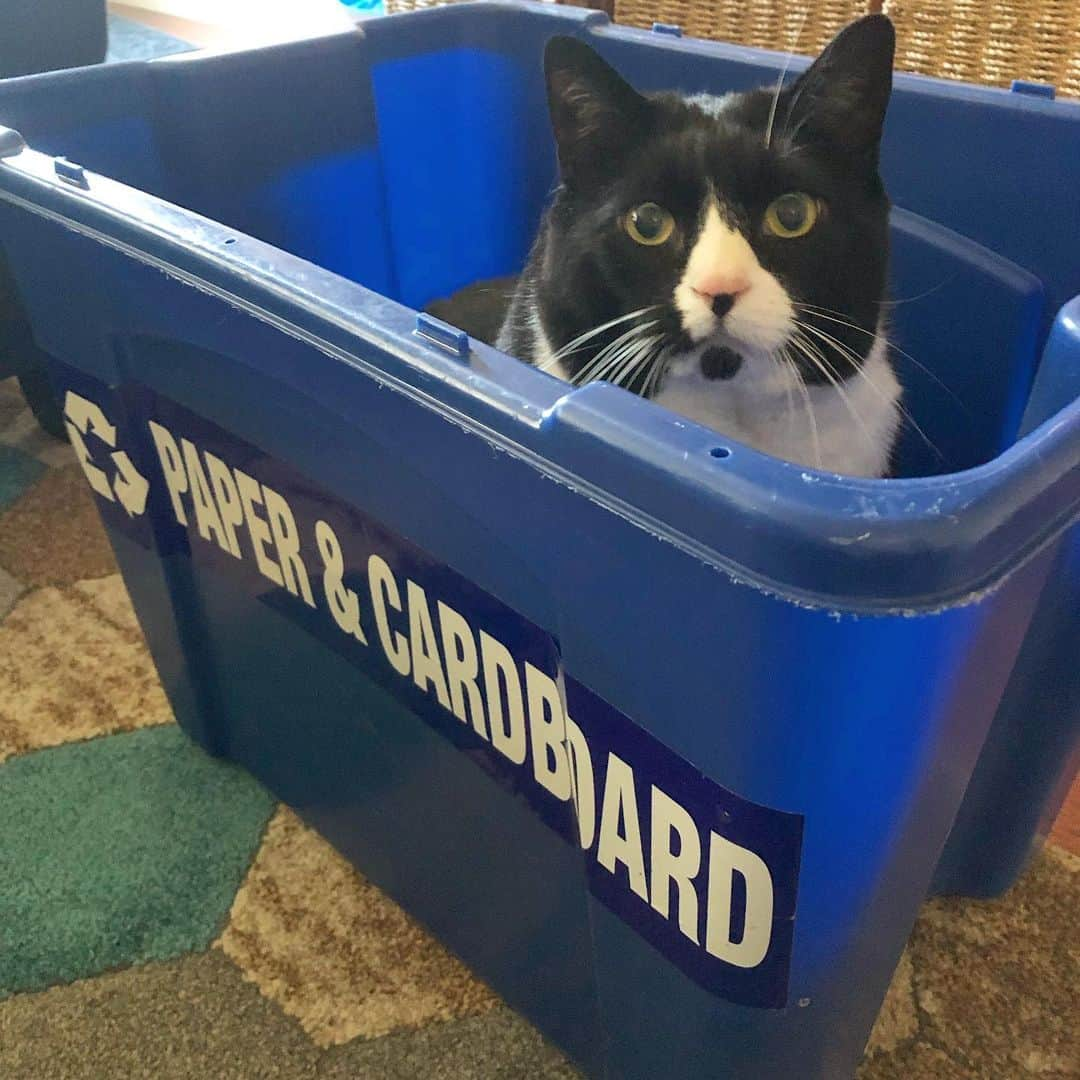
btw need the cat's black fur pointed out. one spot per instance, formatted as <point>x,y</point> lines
<point>478,309</point>
<point>618,149</point>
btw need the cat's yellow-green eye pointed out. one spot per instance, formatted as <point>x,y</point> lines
<point>649,224</point>
<point>791,215</point>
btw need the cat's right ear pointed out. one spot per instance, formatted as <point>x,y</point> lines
<point>596,114</point>
<point>843,95</point>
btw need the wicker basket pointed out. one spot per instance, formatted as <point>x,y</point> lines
<point>802,27</point>
<point>994,43</point>
<point>984,41</point>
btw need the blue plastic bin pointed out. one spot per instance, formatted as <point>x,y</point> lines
<point>664,737</point>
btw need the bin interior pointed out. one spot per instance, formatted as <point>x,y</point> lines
<point>417,164</point>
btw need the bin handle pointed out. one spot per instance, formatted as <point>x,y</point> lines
<point>11,142</point>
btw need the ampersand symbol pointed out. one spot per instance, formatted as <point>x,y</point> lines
<point>344,603</point>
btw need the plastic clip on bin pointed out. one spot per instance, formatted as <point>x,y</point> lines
<point>664,737</point>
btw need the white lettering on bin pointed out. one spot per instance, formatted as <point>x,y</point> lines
<point>725,861</point>
<point>462,668</point>
<point>620,826</point>
<point>384,591</point>
<point>508,734</point>
<point>172,468</point>
<point>510,703</point>
<point>426,663</point>
<point>670,867</point>
<point>228,500</point>
<point>547,730</point>
<point>581,773</point>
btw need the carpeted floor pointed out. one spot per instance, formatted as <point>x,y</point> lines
<point>131,40</point>
<point>160,917</point>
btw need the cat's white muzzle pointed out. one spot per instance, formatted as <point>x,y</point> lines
<point>721,260</point>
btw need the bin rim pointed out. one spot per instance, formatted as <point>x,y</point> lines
<point>848,544</point>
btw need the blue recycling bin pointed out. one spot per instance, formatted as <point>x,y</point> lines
<point>667,739</point>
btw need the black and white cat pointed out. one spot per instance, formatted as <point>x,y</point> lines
<point>724,256</point>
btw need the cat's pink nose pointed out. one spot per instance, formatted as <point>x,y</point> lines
<point>721,284</point>
<point>720,293</point>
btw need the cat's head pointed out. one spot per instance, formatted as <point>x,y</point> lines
<point>750,231</point>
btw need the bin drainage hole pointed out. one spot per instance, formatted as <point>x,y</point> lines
<point>720,452</point>
<point>231,240</point>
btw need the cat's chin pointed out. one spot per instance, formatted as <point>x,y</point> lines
<point>732,351</point>
<point>723,360</point>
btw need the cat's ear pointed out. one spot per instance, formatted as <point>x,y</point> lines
<point>597,116</point>
<point>843,95</point>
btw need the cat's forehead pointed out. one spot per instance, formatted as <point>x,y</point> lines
<point>745,109</point>
<point>715,143</point>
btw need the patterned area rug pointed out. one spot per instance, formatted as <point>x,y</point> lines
<point>130,40</point>
<point>161,917</point>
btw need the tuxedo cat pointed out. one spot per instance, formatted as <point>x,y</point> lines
<point>726,256</point>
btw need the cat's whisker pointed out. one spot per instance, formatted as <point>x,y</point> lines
<point>860,370</point>
<point>811,418</point>
<point>905,414</point>
<point>600,367</point>
<point>620,364</point>
<point>917,296</point>
<point>581,340</point>
<point>830,316</point>
<point>849,354</point>
<point>652,386</point>
<point>790,138</point>
<point>795,134</point>
<point>789,414</point>
<point>780,81</point>
<point>639,363</point>
<point>856,362</point>
<point>635,364</point>
<point>660,368</point>
<point>627,336</point>
<point>606,360</point>
<point>650,372</point>
<point>817,358</point>
<point>625,362</point>
<point>605,371</point>
<point>846,352</point>
<point>833,316</point>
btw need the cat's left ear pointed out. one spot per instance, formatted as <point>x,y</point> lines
<point>843,95</point>
<point>596,114</point>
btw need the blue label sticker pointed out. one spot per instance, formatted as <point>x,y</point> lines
<point>706,877</point>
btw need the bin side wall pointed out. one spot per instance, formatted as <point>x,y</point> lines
<point>865,727</point>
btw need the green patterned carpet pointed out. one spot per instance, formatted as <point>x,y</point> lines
<point>161,917</point>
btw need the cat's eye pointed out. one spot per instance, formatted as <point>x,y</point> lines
<point>649,224</point>
<point>791,215</point>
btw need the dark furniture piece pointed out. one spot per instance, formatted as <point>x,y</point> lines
<point>45,35</point>
<point>38,36</point>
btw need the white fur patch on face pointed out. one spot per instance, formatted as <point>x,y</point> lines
<point>713,104</point>
<point>722,261</point>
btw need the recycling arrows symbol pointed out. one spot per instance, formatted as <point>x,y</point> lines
<point>129,487</point>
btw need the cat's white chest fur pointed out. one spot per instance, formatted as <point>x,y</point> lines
<point>850,429</point>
